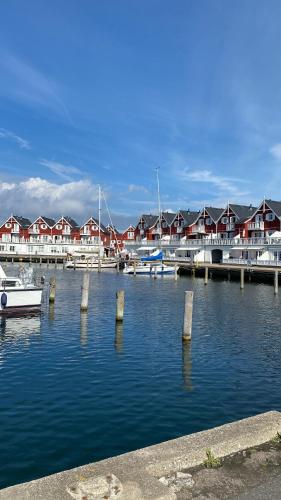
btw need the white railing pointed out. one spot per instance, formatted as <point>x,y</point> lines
<point>198,228</point>
<point>253,262</point>
<point>257,225</point>
<point>215,242</point>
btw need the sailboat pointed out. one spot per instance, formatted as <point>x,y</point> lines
<point>152,264</point>
<point>94,262</point>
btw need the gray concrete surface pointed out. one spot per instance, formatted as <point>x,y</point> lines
<point>135,475</point>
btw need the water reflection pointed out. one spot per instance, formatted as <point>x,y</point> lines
<point>84,328</point>
<point>19,328</point>
<point>187,365</point>
<point>118,343</point>
<point>51,312</point>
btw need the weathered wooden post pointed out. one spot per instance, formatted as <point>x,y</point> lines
<point>275,282</point>
<point>135,268</point>
<point>242,272</point>
<point>52,295</point>
<point>155,273</point>
<point>120,302</point>
<point>206,276</point>
<point>85,292</point>
<point>176,272</point>
<point>187,322</point>
<point>99,265</point>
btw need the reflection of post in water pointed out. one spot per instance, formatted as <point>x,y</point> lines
<point>51,311</point>
<point>187,365</point>
<point>3,326</point>
<point>83,327</point>
<point>118,343</point>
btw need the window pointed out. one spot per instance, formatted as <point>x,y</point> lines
<point>164,225</point>
<point>232,219</point>
<point>270,216</point>
<point>131,235</point>
<point>58,226</point>
<point>94,228</point>
<point>208,221</point>
<point>258,218</point>
<point>224,220</point>
<point>43,226</point>
<point>12,248</point>
<point>2,248</point>
<point>8,225</point>
<point>118,242</point>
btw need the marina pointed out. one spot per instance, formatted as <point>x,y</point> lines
<point>101,387</point>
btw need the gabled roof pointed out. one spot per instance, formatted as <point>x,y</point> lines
<point>95,221</point>
<point>130,228</point>
<point>214,213</point>
<point>47,220</point>
<point>169,217</point>
<point>243,212</point>
<point>275,206</point>
<point>150,220</point>
<point>71,222</point>
<point>189,217</point>
<point>22,221</point>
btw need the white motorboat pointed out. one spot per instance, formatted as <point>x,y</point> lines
<point>19,294</point>
<point>151,264</point>
<point>91,264</point>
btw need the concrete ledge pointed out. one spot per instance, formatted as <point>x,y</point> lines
<point>135,475</point>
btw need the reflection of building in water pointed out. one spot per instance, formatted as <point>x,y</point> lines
<point>187,365</point>
<point>84,328</point>
<point>118,343</point>
<point>19,328</point>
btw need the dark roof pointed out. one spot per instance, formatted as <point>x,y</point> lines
<point>169,217</point>
<point>22,221</point>
<point>50,222</point>
<point>275,206</point>
<point>214,213</point>
<point>103,228</point>
<point>189,216</point>
<point>243,212</point>
<point>150,220</point>
<point>71,222</point>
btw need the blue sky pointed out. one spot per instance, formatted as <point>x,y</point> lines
<point>103,92</point>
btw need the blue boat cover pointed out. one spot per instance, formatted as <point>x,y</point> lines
<point>157,255</point>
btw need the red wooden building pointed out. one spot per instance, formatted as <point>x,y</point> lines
<point>15,228</point>
<point>65,230</point>
<point>129,234</point>
<point>41,230</point>
<point>144,227</point>
<point>206,223</point>
<point>182,224</point>
<point>89,232</point>
<point>265,221</point>
<point>233,221</point>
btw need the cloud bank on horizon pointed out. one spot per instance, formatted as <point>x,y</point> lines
<point>192,89</point>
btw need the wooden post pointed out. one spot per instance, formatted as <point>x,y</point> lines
<point>99,264</point>
<point>176,272</point>
<point>74,265</point>
<point>206,276</point>
<point>155,273</point>
<point>118,265</point>
<point>40,261</point>
<point>120,302</point>
<point>52,295</point>
<point>85,292</point>
<point>242,278</point>
<point>275,282</point>
<point>56,263</point>
<point>187,322</point>
<point>193,272</point>
<point>135,268</point>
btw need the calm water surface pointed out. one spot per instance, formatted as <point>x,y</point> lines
<point>75,389</point>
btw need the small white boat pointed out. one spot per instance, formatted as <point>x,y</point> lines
<point>152,269</point>
<point>91,264</point>
<point>19,294</point>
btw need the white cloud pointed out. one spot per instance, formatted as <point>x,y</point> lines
<point>133,188</point>
<point>275,151</point>
<point>36,196</point>
<point>63,171</point>
<point>228,185</point>
<point>22,143</point>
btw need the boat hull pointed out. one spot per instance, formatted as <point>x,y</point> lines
<point>90,265</point>
<point>21,300</point>
<point>149,270</point>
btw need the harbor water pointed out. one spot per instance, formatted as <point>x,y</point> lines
<point>76,388</point>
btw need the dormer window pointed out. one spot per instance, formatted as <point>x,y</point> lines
<point>224,220</point>
<point>94,227</point>
<point>208,221</point>
<point>8,225</point>
<point>59,226</point>
<point>43,226</point>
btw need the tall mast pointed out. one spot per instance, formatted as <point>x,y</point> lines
<point>99,215</point>
<point>159,205</point>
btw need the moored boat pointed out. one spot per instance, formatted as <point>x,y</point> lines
<point>18,294</point>
<point>150,265</point>
<point>91,263</point>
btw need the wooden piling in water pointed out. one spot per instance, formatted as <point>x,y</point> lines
<point>206,276</point>
<point>120,304</point>
<point>276,282</point>
<point>176,272</point>
<point>135,268</point>
<point>52,295</point>
<point>85,292</point>
<point>242,273</point>
<point>187,322</point>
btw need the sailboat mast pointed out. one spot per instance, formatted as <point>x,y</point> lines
<point>159,204</point>
<point>99,217</point>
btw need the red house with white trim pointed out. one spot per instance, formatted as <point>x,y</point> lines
<point>206,223</point>
<point>65,230</point>
<point>41,230</point>
<point>265,221</point>
<point>89,232</point>
<point>233,221</point>
<point>15,228</point>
